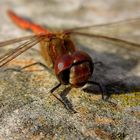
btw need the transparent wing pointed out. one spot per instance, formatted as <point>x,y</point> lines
<point>31,41</point>
<point>111,24</point>
<point>17,40</point>
<point>126,29</point>
<point>128,44</point>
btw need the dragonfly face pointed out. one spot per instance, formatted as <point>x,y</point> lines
<point>74,69</point>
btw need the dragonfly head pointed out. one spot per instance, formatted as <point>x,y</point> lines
<point>74,69</point>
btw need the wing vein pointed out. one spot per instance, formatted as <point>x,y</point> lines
<point>127,44</point>
<point>12,41</point>
<point>126,21</point>
<point>16,52</point>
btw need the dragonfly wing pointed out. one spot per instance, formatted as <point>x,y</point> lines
<point>4,59</point>
<point>125,29</point>
<point>17,40</point>
<point>117,41</point>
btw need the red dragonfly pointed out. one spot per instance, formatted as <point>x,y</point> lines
<point>70,66</point>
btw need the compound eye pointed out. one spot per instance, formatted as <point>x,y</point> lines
<point>62,63</point>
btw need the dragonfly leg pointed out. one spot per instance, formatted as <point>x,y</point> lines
<point>36,63</point>
<point>65,102</point>
<point>100,87</point>
<point>30,65</point>
<point>98,62</point>
<point>54,88</point>
<point>68,104</point>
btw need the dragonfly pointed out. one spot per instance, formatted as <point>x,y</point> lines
<point>70,65</point>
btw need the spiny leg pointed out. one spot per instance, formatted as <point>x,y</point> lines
<point>30,65</point>
<point>54,88</point>
<point>100,87</point>
<point>98,63</point>
<point>64,99</point>
<point>63,95</point>
<point>103,92</point>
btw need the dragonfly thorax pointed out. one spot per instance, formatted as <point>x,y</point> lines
<point>55,48</point>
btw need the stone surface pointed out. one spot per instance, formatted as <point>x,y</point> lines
<point>29,111</point>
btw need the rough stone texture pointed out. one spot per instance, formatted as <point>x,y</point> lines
<point>28,111</point>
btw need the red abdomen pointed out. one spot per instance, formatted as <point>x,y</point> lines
<point>25,24</point>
